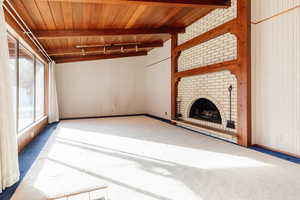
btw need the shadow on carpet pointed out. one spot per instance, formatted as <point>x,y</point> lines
<point>28,156</point>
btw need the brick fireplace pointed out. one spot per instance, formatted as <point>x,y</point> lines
<point>211,86</point>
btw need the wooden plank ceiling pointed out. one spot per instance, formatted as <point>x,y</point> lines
<point>71,30</point>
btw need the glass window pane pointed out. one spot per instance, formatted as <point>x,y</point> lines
<point>39,103</point>
<point>26,88</point>
<point>12,45</point>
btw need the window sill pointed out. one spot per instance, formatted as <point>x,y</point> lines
<point>25,131</point>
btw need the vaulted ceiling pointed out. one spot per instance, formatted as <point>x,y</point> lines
<point>71,30</point>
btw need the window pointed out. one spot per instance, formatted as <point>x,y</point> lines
<point>40,95</point>
<point>26,88</point>
<point>28,84</point>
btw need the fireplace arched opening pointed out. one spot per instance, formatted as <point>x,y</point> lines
<point>204,109</point>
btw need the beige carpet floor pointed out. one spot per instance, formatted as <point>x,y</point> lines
<point>140,158</point>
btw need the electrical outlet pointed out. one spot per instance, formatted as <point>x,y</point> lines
<point>166,113</point>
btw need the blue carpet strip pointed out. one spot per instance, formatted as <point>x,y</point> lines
<point>260,149</point>
<point>31,152</point>
<point>28,156</point>
<point>277,154</point>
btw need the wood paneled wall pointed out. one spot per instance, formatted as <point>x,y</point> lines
<point>276,75</point>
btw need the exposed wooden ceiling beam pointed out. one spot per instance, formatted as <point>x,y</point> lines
<point>56,34</point>
<point>70,51</point>
<point>98,57</point>
<point>165,3</point>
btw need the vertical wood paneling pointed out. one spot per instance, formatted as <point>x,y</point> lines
<point>265,8</point>
<point>276,76</point>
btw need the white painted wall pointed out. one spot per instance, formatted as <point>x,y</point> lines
<point>276,75</point>
<point>100,88</point>
<point>115,87</point>
<point>158,82</point>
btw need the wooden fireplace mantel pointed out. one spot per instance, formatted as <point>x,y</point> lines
<point>241,67</point>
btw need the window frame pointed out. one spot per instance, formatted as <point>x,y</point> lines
<point>34,85</point>
<point>18,43</point>
<point>37,60</point>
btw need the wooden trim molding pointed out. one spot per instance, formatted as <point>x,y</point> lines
<point>244,74</point>
<point>241,67</point>
<point>276,150</point>
<point>229,27</point>
<point>229,65</point>
<point>27,135</point>
<point>174,80</point>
